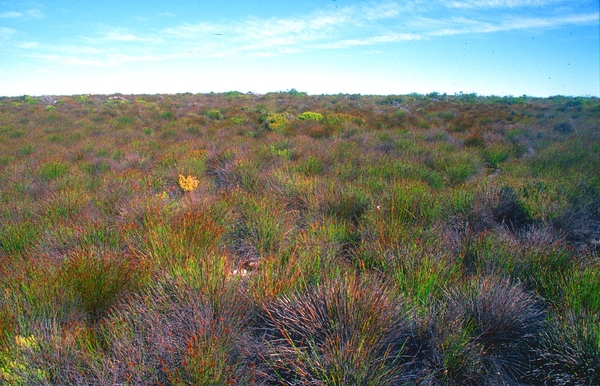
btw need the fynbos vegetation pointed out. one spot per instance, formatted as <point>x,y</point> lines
<point>289,239</point>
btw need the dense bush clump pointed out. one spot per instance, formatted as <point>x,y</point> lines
<point>484,334</point>
<point>341,333</point>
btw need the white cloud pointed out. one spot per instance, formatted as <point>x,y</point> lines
<point>375,40</point>
<point>34,13</point>
<point>109,60</point>
<point>369,25</point>
<point>6,33</point>
<point>10,15</point>
<point>288,30</point>
<point>498,3</point>
<point>382,11</point>
<point>461,26</point>
<point>29,14</point>
<point>190,31</point>
<point>29,45</point>
<point>127,37</point>
<point>551,22</point>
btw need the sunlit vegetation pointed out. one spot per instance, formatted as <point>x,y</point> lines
<point>300,240</point>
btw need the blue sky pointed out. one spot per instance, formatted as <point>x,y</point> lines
<point>491,47</point>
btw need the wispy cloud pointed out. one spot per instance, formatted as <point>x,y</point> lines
<point>375,40</point>
<point>550,22</point>
<point>191,31</point>
<point>10,15</point>
<point>366,25</point>
<point>63,48</point>
<point>127,37</point>
<point>29,45</point>
<point>29,14</point>
<point>6,33</point>
<point>499,3</point>
<point>34,13</point>
<point>311,26</point>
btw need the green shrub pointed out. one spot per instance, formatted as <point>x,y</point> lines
<point>27,99</point>
<point>340,119</point>
<point>564,127</point>
<point>16,133</point>
<point>169,240</point>
<point>283,149</point>
<point>125,120</point>
<point>168,115</point>
<point>345,203</point>
<point>277,122</point>
<point>310,116</point>
<point>214,115</point>
<point>457,167</point>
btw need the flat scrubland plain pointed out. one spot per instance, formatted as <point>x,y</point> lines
<point>224,239</point>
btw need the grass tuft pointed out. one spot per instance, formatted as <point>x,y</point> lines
<point>347,331</point>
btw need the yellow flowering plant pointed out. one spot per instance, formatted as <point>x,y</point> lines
<point>188,183</point>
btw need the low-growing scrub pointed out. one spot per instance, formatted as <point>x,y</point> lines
<point>288,239</point>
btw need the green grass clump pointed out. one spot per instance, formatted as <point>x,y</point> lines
<point>495,155</point>
<point>16,238</point>
<point>53,170</point>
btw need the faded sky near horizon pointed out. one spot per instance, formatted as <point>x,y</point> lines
<point>490,47</point>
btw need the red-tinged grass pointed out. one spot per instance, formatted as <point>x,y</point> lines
<point>171,335</point>
<point>276,275</point>
<point>7,322</point>
<point>99,278</point>
<point>16,238</point>
<point>405,205</point>
<point>35,294</point>
<point>171,238</point>
<point>262,227</point>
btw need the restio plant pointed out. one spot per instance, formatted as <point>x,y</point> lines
<point>295,239</point>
